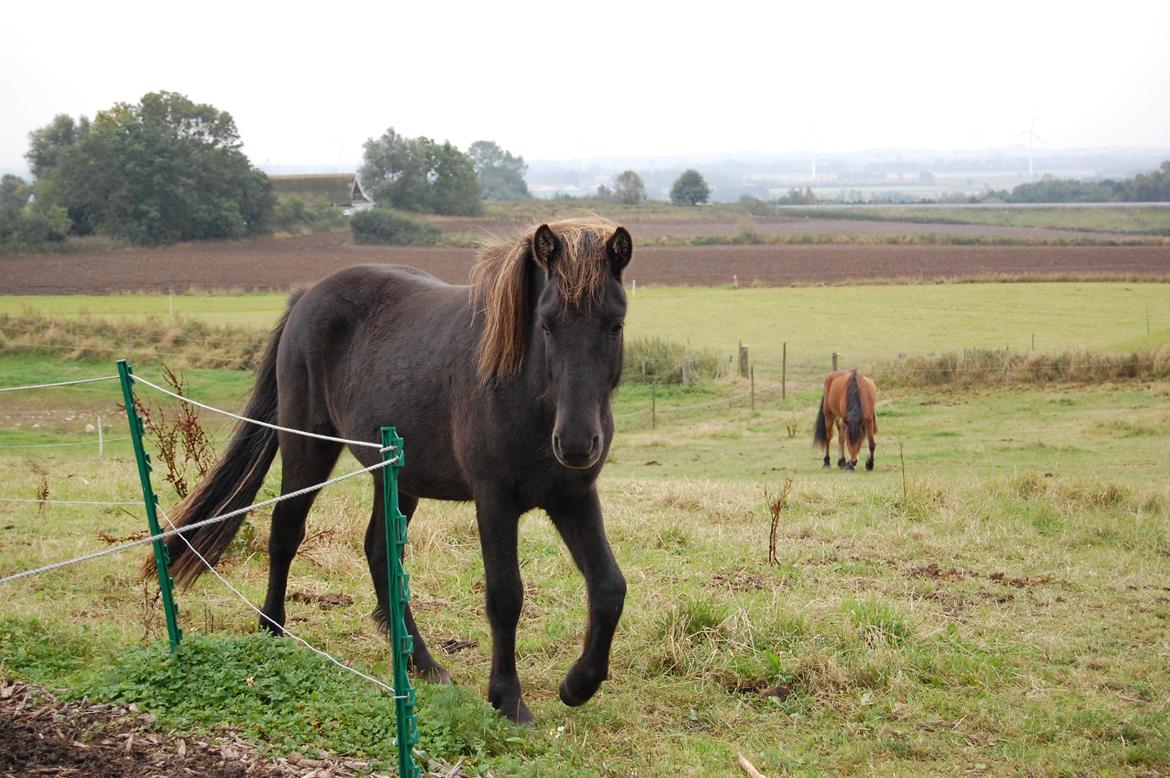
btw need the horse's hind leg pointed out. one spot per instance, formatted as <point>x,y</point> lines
<point>872,445</point>
<point>841,461</point>
<point>304,462</point>
<point>830,425</point>
<point>421,660</point>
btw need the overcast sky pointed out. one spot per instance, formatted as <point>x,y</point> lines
<point>308,83</point>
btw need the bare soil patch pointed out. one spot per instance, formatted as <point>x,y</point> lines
<point>700,225</point>
<point>43,735</point>
<point>285,263</point>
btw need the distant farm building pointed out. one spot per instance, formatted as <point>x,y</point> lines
<point>343,190</point>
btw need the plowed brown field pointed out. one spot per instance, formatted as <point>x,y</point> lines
<point>282,263</point>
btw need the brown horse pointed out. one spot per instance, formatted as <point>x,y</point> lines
<point>848,402</point>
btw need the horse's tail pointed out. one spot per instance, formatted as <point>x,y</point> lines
<point>234,480</point>
<point>854,411</point>
<point>820,434</point>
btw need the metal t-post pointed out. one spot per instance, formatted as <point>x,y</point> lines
<point>403,644</point>
<point>162,559</point>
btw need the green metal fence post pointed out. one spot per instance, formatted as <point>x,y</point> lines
<point>162,559</point>
<point>403,644</point>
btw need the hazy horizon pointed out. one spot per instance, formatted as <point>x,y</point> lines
<point>622,81</point>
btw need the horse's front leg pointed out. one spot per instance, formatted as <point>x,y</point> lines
<point>498,521</point>
<point>580,525</point>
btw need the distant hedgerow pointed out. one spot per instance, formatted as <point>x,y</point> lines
<point>387,227</point>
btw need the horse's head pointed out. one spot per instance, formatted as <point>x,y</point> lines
<point>578,320</point>
<point>554,311</point>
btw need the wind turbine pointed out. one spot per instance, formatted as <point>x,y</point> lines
<point>817,142</point>
<point>1032,137</point>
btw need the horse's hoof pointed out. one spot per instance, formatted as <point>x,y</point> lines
<point>578,687</point>
<point>271,627</point>
<point>869,464</point>
<point>841,463</point>
<point>826,466</point>
<point>506,698</point>
<point>518,713</point>
<point>848,467</point>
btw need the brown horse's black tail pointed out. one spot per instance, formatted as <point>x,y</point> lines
<point>234,481</point>
<point>820,434</point>
<point>854,412</point>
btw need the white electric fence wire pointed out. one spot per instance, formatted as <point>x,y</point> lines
<point>705,404</point>
<point>271,621</point>
<point>194,525</point>
<point>62,445</point>
<point>59,383</point>
<point>70,502</point>
<point>213,409</point>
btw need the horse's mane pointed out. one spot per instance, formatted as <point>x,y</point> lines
<point>499,291</point>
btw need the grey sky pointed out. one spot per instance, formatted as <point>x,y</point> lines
<point>309,82</point>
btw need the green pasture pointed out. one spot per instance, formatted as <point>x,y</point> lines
<point>859,322</point>
<point>1033,645</point>
<point>992,599</point>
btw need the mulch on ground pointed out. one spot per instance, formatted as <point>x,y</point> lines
<point>43,735</point>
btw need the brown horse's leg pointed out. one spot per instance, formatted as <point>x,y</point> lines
<point>304,462</point>
<point>869,428</point>
<point>498,520</point>
<point>841,442</point>
<point>830,425</point>
<point>581,528</point>
<point>421,660</point>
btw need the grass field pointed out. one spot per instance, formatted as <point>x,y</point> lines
<point>861,323</point>
<point>999,606</point>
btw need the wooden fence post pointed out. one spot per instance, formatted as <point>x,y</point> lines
<point>784,372</point>
<point>753,379</point>
<point>653,400</point>
<point>834,361</point>
<point>743,360</point>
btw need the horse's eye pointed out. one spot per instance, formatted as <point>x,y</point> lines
<point>547,330</point>
<point>617,329</point>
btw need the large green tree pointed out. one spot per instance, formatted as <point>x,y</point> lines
<point>14,192</point>
<point>162,170</point>
<point>501,175</point>
<point>46,145</point>
<point>417,174</point>
<point>628,188</point>
<point>689,189</point>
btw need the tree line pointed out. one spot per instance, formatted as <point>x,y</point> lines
<point>167,169</point>
<point>1152,187</point>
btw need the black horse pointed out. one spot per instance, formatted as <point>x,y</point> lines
<point>501,390</point>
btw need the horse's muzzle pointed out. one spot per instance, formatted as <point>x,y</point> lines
<point>577,455</point>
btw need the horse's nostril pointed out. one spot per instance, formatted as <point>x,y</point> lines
<point>596,441</point>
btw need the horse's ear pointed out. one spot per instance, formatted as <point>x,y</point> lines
<point>619,248</point>
<point>546,246</point>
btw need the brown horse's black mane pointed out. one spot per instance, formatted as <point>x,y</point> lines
<point>500,294</point>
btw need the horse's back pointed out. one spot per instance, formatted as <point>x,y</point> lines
<point>375,345</point>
